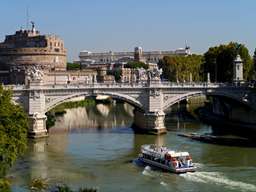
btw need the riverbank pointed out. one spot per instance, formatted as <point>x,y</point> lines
<point>221,125</point>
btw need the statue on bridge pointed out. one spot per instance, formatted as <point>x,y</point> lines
<point>142,74</point>
<point>154,74</point>
<point>149,74</point>
<point>34,73</point>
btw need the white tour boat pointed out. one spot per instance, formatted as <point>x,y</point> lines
<point>166,159</point>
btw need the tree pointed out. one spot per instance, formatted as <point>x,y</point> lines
<point>73,66</point>
<point>136,64</point>
<point>219,62</point>
<point>116,73</point>
<point>179,68</point>
<point>13,131</point>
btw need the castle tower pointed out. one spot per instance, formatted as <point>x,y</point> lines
<point>238,69</point>
<point>138,54</point>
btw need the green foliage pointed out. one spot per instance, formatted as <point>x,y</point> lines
<point>13,131</point>
<point>74,104</point>
<point>5,185</point>
<point>73,66</point>
<point>116,73</point>
<point>219,62</point>
<point>41,185</point>
<point>136,64</point>
<point>50,119</point>
<point>38,184</point>
<point>66,188</point>
<point>179,67</point>
<point>63,188</point>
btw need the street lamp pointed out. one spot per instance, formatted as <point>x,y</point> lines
<point>216,69</point>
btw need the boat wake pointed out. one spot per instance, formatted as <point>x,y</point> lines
<point>163,183</point>
<point>147,171</point>
<point>219,179</point>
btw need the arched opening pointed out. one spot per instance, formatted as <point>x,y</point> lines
<point>224,113</point>
<point>114,112</point>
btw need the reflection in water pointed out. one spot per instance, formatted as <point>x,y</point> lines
<point>85,155</point>
<point>103,109</point>
<point>99,117</point>
<point>40,157</point>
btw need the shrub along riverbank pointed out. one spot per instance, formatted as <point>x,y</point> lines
<point>13,134</point>
<point>61,109</point>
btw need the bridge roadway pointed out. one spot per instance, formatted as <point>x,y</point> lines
<point>150,99</point>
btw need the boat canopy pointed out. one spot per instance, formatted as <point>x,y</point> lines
<point>178,154</point>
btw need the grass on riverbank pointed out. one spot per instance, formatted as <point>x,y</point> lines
<point>61,109</point>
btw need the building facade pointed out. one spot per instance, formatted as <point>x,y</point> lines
<point>87,57</point>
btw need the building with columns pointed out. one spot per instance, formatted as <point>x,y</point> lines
<point>87,57</point>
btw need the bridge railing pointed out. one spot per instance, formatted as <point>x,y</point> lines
<point>141,84</point>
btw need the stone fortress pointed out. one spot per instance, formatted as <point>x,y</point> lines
<point>26,48</point>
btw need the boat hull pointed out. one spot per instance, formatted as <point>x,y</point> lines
<point>167,168</point>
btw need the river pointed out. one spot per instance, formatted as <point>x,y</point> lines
<point>95,146</point>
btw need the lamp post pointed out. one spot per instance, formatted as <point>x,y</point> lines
<point>215,69</point>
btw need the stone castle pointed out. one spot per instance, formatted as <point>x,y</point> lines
<point>27,48</point>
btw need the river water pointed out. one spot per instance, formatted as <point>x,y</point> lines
<point>95,146</point>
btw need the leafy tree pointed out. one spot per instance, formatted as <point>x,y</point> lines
<point>180,67</point>
<point>116,73</point>
<point>13,131</point>
<point>73,66</point>
<point>136,64</point>
<point>219,62</point>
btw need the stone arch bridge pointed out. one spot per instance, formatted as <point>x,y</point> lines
<point>150,99</point>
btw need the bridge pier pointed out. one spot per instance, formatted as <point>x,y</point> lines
<point>37,126</point>
<point>151,122</point>
<point>36,110</point>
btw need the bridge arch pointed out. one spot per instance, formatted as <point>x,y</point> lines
<point>238,98</point>
<point>134,102</point>
<point>175,99</point>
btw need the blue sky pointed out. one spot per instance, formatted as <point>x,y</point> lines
<point>120,25</point>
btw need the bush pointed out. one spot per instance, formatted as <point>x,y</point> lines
<point>13,131</point>
<point>38,184</point>
<point>65,188</point>
<point>4,185</point>
<point>73,66</point>
<point>136,64</point>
